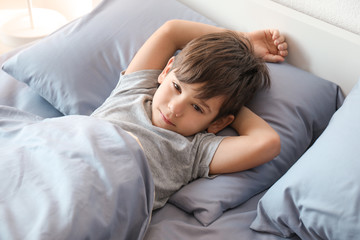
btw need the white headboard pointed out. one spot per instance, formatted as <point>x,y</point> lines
<point>315,46</point>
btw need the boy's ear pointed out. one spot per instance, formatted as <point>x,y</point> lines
<point>220,124</point>
<point>166,70</point>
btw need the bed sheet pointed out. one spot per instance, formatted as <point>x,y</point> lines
<point>169,222</point>
<point>71,177</point>
<point>53,188</point>
<point>172,223</point>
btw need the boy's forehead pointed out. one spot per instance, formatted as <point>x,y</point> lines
<point>213,103</point>
<point>197,88</point>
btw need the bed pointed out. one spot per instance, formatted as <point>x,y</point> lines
<point>64,175</point>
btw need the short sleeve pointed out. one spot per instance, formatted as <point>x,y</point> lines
<point>207,145</point>
<point>137,81</point>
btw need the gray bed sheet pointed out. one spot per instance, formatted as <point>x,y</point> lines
<point>71,177</point>
<point>67,177</point>
<point>170,222</point>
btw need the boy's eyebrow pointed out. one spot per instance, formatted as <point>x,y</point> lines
<point>205,105</point>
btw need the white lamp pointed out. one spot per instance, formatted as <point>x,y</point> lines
<point>26,25</point>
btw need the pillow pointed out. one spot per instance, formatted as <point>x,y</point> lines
<point>298,106</point>
<point>77,67</point>
<point>17,94</point>
<point>318,198</point>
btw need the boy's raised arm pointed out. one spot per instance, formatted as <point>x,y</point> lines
<point>164,42</point>
<point>258,143</point>
<point>175,34</point>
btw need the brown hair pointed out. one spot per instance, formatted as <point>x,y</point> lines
<point>226,63</point>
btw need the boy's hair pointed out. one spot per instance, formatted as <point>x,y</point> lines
<point>226,63</point>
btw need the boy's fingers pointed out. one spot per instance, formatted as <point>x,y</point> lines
<point>283,53</point>
<point>274,33</point>
<point>273,58</point>
<point>282,46</point>
<point>279,40</point>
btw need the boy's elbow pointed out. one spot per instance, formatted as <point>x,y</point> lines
<point>274,144</point>
<point>170,25</point>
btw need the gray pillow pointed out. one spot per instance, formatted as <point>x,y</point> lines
<point>298,106</point>
<point>318,198</point>
<point>77,67</point>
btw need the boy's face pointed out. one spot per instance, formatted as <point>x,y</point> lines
<point>175,108</point>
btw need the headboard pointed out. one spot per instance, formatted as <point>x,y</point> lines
<point>316,46</point>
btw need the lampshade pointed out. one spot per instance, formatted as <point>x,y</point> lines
<point>26,25</point>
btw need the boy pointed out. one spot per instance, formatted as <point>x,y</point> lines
<point>202,90</point>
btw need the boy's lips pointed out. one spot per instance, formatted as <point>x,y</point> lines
<point>166,120</point>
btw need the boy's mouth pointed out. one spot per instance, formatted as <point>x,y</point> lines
<point>166,120</point>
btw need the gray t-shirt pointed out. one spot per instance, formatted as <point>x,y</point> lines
<point>174,160</point>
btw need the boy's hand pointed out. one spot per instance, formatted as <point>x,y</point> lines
<point>175,34</point>
<point>269,44</point>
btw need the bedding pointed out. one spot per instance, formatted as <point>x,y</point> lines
<point>103,41</point>
<point>319,197</point>
<point>171,222</point>
<point>72,72</point>
<point>17,94</point>
<point>72,177</point>
<point>298,106</point>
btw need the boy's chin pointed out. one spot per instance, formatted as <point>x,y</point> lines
<point>172,129</point>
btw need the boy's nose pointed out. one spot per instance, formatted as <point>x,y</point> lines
<point>176,107</point>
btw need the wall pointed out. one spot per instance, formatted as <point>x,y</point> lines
<point>69,8</point>
<point>315,46</point>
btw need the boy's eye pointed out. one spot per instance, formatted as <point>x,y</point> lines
<point>177,87</point>
<point>197,108</point>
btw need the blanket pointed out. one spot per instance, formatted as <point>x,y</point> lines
<point>72,177</point>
